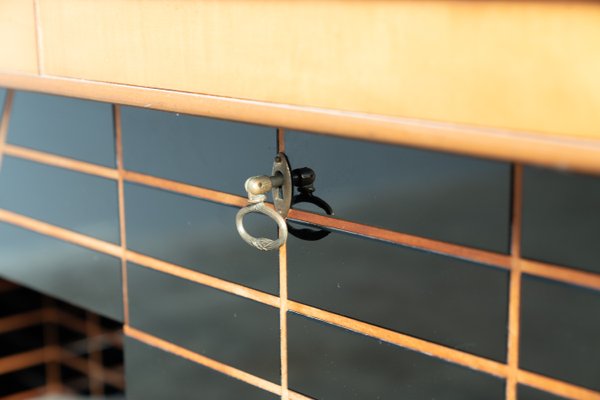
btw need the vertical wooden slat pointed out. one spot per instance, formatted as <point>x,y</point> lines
<point>51,341</point>
<point>514,263</point>
<point>514,299</point>
<point>121,188</point>
<point>283,294</point>
<point>94,349</point>
<point>4,122</point>
<point>280,140</point>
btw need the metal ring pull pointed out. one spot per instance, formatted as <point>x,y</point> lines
<point>262,243</point>
<point>280,184</point>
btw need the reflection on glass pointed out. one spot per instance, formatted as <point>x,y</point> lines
<point>331,363</point>
<point>72,200</point>
<point>445,300</point>
<point>560,327</point>
<point>200,235</point>
<point>74,128</point>
<point>71,273</point>
<point>561,218</point>
<point>231,329</point>
<point>153,374</point>
<point>441,196</point>
<point>201,151</point>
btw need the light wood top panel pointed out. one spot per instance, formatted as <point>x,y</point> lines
<point>524,65</point>
<point>17,36</point>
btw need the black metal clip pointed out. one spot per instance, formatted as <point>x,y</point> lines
<point>303,179</point>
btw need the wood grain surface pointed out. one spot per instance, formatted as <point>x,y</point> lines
<point>18,36</point>
<point>523,65</point>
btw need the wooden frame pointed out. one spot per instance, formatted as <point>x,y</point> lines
<point>512,262</point>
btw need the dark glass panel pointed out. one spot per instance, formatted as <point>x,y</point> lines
<point>219,325</point>
<point>561,218</point>
<point>207,152</point>
<point>80,202</point>
<point>198,234</point>
<point>441,196</point>
<point>560,331</point>
<point>154,374</point>
<point>448,301</point>
<point>326,362</point>
<point>80,276</point>
<point>75,128</point>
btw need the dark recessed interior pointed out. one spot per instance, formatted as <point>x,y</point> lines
<point>49,348</point>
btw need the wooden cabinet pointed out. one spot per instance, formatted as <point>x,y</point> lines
<point>457,142</point>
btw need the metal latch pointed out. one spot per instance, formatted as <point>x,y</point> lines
<point>280,185</point>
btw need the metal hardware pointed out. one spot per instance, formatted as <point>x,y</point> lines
<point>280,185</point>
<point>262,243</point>
<point>282,193</point>
<point>303,179</point>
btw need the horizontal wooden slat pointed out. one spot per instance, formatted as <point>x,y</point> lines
<point>18,321</point>
<point>416,344</point>
<point>27,394</point>
<point>553,151</point>
<point>58,161</point>
<point>418,242</point>
<point>524,65</point>
<point>184,188</point>
<point>60,233</point>
<point>556,272</point>
<point>573,276</point>
<point>198,277</point>
<point>23,360</point>
<point>556,386</point>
